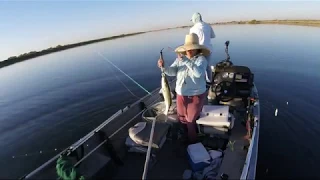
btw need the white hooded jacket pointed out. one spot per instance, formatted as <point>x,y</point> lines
<point>205,33</point>
<point>203,30</point>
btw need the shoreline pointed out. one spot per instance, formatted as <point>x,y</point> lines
<point>22,57</point>
<point>314,23</point>
<point>33,54</point>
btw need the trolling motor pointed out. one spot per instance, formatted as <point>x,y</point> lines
<point>226,62</point>
<point>227,45</point>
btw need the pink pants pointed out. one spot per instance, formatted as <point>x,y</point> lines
<point>188,109</point>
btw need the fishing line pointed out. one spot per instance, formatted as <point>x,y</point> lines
<point>123,84</point>
<point>36,153</point>
<point>125,74</point>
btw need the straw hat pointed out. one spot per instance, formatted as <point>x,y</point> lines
<point>192,42</point>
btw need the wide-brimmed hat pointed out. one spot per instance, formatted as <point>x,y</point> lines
<point>192,42</point>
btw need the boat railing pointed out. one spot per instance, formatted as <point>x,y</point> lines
<point>76,145</point>
<point>249,168</point>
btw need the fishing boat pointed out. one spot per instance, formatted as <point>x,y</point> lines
<point>227,147</point>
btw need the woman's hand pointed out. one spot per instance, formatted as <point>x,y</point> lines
<point>160,63</point>
<point>182,55</point>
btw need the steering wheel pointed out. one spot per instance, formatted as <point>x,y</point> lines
<point>224,63</point>
<point>225,91</point>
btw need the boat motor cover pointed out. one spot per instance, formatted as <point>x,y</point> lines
<point>140,133</point>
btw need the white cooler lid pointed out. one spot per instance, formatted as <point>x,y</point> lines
<point>198,153</point>
<point>214,121</point>
<point>216,110</point>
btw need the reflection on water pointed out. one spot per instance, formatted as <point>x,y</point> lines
<point>49,102</point>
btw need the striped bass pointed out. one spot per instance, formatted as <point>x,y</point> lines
<point>166,92</point>
<point>165,88</point>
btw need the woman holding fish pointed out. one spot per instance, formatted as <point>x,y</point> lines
<point>190,70</point>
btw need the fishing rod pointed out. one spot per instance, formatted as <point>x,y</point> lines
<point>124,73</point>
<point>146,164</point>
<point>161,57</point>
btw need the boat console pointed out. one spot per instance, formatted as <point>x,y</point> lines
<point>231,84</point>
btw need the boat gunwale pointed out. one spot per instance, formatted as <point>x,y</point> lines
<point>249,168</point>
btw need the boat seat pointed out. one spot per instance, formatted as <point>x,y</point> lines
<point>139,134</point>
<point>215,119</point>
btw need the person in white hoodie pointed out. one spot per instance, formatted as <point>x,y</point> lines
<point>205,33</point>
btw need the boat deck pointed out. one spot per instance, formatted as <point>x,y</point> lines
<point>172,161</point>
<point>234,157</point>
<point>169,165</point>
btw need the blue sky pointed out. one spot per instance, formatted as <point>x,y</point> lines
<point>36,25</point>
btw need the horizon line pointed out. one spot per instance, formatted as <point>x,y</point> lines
<point>155,30</point>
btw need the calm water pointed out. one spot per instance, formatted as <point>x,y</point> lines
<point>49,102</point>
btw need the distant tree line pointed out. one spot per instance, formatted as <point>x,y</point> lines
<point>254,22</point>
<point>33,54</point>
